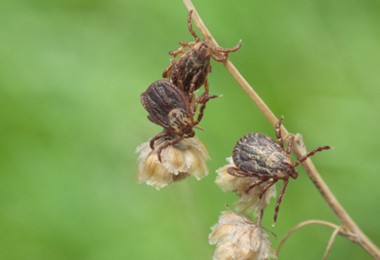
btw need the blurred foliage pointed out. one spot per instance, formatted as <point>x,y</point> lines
<point>71,72</point>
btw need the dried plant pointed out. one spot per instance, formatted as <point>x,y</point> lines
<point>237,237</point>
<point>187,158</point>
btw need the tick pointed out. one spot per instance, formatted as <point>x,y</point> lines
<point>257,155</point>
<point>168,107</point>
<point>190,71</point>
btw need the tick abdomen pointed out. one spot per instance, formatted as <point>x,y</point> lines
<point>258,154</point>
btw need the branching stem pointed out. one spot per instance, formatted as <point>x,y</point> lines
<point>298,148</point>
<point>331,242</point>
<point>310,222</point>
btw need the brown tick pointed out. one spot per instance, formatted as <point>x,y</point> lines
<point>190,71</point>
<point>168,107</point>
<point>257,155</point>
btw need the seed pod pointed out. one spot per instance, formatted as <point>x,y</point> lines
<point>258,155</point>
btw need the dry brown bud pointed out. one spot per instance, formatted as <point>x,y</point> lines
<point>238,238</point>
<point>186,158</point>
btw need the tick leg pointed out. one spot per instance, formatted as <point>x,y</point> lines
<point>256,183</point>
<point>206,88</point>
<point>237,172</point>
<point>180,49</point>
<point>262,198</point>
<point>154,139</point>
<point>166,145</point>
<point>203,107</point>
<point>165,74</point>
<point>171,68</point>
<point>201,99</point>
<point>175,79</point>
<point>228,50</point>
<point>288,150</point>
<point>190,26</point>
<point>311,153</point>
<point>269,184</point>
<point>185,44</point>
<point>278,132</point>
<point>180,84</point>
<point>176,52</point>
<point>221,54</point>
<point>193,81</point>
<point>277,209</point>
<point>219,57</point>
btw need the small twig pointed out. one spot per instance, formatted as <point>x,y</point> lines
<point>301,225</point>
<point>337,230</point>
<point>299,149</point>
<point>331,241</point>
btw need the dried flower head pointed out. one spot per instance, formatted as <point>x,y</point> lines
<point>237,237</point>
<point>247,201</point>
<point>188,157</point>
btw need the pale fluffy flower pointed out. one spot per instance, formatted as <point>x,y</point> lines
<point>238,238</point>
<point>247,201</point>
<point>186,158</point>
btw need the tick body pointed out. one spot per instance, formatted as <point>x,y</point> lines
<point>168,107</point>
<point>257,155</point>
<point>190,71</point>
<point>260,155</point>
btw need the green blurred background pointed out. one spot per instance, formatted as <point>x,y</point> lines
<point>71,72</point>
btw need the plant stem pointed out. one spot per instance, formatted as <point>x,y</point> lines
<point>298,149</point>
<point>301,225</point>
<point>331,242</point>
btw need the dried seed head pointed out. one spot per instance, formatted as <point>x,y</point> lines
<point>237,237</point>
<point>247,201</point>
<point>186,158</point>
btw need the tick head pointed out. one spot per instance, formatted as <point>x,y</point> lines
<point>202,50</point>
<point>180,122</point>
<point>189,132</point>
<point>292,172</point>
